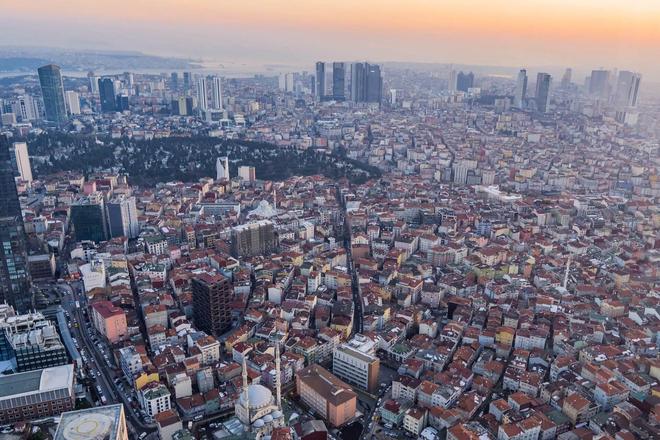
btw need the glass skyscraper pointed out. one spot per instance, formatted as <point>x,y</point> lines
<point>14,276</point>
<point>52,90</point>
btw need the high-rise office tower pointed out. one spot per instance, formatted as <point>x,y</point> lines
<point>320,81</point>
<point>93,83</point>
<point>212,296</point>
<point>253,239</point>
<point>107,95</point>
<point>21,161</point>
<point>521,89</point>
<point>464,81</point>
<point>599,84</point>
<point>374,83</point>
<point>121,102</point>
<point>14,276</point>
<point>222,168</point>
<point>216,93</point>
<point>122,217</point>
<point>72,102</point>
<point>52,89</point>
<point>174,81</point>
<point>452,80</point>
<point>358,82</point>
<point>339,81</point>
<point>202,103</point>
<point>542,91</point>
<point>89,219</point>
<point>566,79</point>
<point>289,82</point>
<point>187,81</point>
<point>627,89</point>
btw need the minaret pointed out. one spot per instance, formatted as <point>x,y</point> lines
<point>246,394</point>
<point>278,376</point>
<point>568,269</point>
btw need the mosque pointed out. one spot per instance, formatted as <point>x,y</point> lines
<point>257,410</point>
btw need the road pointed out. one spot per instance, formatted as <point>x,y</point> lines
<point>96,361</point>
<point>355,287</point>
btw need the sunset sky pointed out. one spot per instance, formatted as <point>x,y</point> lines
<point>580,33</point>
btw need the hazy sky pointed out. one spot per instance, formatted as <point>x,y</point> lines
<point>578,33</point>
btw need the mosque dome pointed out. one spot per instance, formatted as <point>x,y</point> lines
<point>259,423</point>
<point>277,414</point>
<point>259,396</point>
<point>268,418</point>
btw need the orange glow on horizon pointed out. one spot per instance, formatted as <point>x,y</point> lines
<point>598,24</point>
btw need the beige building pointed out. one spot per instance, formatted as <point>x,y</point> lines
<point>327,395</point>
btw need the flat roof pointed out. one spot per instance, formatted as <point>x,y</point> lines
<point>100,423</point>
<point>37,381</point>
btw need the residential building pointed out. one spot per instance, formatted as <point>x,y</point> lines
<point>212,295</point>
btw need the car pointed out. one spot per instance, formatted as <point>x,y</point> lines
<point>98,388</point>
<point>143,435</point>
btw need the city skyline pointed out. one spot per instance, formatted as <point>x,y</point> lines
<point>511,33</point>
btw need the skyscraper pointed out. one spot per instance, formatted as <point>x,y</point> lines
<point>542,91</point>
<point>52,89</point>
<point>212,297</point>
<point>521,89</point>
<point>202,102</point>
<point>339,81</point>
<point>599,84</point>
<point>14,276</point>
<point>216,93</point>
<point>451,80</point>
<point>374,83</point>
<point>107,95</point>
<point>89,219</point>
<point>122,217</point>
<point>627,89</point>
<point>21,161</point>
<point>320,81</point>
<point>174,81</point>
<point>187,81</point>
<point>465,81</point>
<point>93,83</point>
<point>566,79</point>
<point>358,82</point>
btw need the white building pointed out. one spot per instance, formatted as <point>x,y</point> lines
<point>222,168</point>
<point>72,102</point>
<point>356,362</point>
<point>155,399</point>
<point>20,156</point>
<point>210,349</point>
<point>202,100</point>
<point>216,93</point>
<point>93,275</point>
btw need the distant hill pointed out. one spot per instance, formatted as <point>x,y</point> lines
<point>27,59</point>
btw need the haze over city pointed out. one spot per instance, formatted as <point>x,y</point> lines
<point>583,33</point>
<point>330,220</point>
